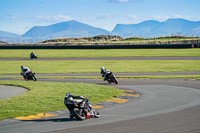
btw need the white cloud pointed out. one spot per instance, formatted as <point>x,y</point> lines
<point>8,17</point>
<point>62,17</point>
<point>13,17</point>
<point>123,0</point>
<point>54,18</point>
<point>133,17</point>
<point>164,18</point>
<point>178,16</point>
<point>160,18</point>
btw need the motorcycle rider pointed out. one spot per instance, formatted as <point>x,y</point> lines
<point>33,55</point>
<point>24,71</point>
<point>70,98</point>
<point>105,73</point>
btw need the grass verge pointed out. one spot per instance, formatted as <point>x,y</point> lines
<point>119,77</point>
<point>124,77</point>
<point>158,76</point>
<point>48,96</point>
<point>9,67</point>
<point>24,53</point>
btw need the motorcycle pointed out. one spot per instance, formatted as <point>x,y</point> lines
<point>80,109</point>
<point>33,56</point>
<point>29,76</point>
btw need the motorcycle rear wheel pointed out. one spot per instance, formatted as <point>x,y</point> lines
<point>26,79</point>
<point>115,80</point>
<point>79,115</point>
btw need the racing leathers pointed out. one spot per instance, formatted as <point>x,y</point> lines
<point>70,97</point>
<point>105,73</point>
<point>25,70</point>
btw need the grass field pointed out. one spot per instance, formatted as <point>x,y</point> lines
<point>48,96</point>
<point>99,53</point>
<point>64,66</point>
<point>119,77</point>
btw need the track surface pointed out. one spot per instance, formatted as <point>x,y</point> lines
<point>10,91</point>
<point>165,106</point>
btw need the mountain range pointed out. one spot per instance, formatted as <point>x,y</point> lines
<point>65,29</point>
<point>8,34</point>
<point>151,28</point>
<point>146,29</point>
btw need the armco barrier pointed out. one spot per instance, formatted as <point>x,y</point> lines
<point>140,46</point>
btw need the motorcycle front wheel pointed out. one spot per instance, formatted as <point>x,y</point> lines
<point>34,77</point>
<point>96,113</point>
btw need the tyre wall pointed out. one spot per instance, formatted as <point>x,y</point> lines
<point>140,46</point>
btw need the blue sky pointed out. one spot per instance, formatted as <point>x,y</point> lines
<point>18,16</point>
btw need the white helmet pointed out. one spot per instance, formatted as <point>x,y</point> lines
<point>102,68</point>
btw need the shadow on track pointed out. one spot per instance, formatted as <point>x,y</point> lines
<point>52,120</point>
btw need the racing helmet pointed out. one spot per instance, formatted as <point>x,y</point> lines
<point>68,96</point>
<point>22,67</point>
<point>102,68</point>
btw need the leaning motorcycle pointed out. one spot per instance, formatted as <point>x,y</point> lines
<point>29,76</point>
<point>33,56</point>
<point>80,109</point>
<point>112,79</point>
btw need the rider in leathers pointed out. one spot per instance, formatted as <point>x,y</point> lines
<point>25,71</point>
<point>105,73</point>
<point>72,97</point>
<point>32,55</point>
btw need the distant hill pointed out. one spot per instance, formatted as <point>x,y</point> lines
<point>8,37</point>
<point>7,34</point>
<point>99,38</point>
<point>151,28</point>
<point>65,29</point>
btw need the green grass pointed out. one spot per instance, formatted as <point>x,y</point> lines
<point>158,76</point>
<point>66,66</point>
<point>124,77</point>
<point>48,96</point>
<point>5,53</point>
<point>119,77</point>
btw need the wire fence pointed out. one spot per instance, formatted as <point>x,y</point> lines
<point>18,41</point>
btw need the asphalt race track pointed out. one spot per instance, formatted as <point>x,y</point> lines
<point>164,106</point>
<point>10,91</point>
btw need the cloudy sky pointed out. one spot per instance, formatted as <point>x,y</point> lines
<point>18,16</point>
